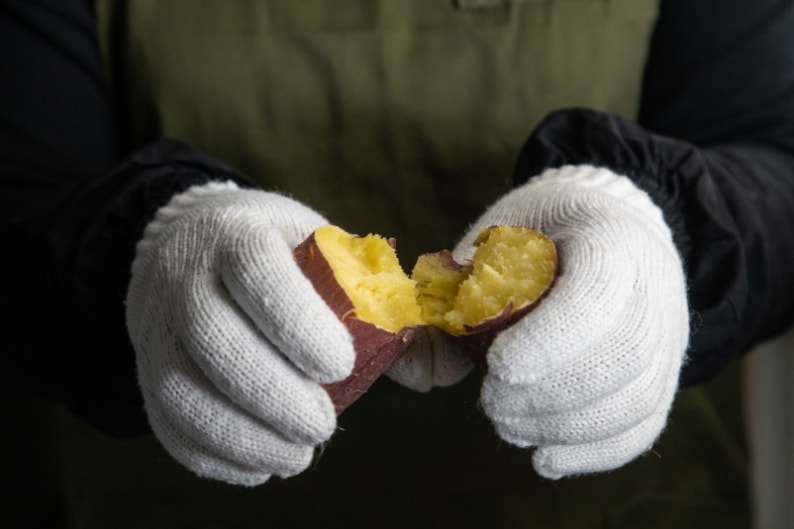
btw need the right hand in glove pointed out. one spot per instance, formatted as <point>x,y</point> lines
<point>589,376</point>
<point>232,341</point>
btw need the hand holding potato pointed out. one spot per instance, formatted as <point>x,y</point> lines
<point>233,343</point>
<point>589,376</point>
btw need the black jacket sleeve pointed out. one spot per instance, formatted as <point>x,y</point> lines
<point>714,148</point>
<point>71,215</point>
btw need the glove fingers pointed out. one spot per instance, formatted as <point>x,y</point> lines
<point>599,371</point>
<point>615,413</point>
<point>260,272</point>
<point>196,418</point>
<point>200,460</point>
<point>624,351</point>
<point>243,365</point>
<point>556,461</point>
<point>597,236</point>
<point>589,376</point>
<point>598,279</point>
<point>431,360</point>
<point>595,280</point>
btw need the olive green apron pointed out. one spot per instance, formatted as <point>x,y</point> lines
<point>401,117</point>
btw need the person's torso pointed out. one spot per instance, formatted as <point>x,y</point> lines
<point>404,118</point>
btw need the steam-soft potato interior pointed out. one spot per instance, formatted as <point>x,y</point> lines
<point>511,268</point>
<point>369,272</point>
<point>438,278</point>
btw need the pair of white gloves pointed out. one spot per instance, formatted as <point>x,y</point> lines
<point>233,342</point>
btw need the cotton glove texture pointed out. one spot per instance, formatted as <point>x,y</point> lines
<point>590,375</point>
<point>232,340</point>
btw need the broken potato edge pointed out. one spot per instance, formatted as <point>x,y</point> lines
<point>361,280</point>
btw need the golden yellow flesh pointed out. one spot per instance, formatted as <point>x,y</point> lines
<point>369,272</point>
<point>437,281</point>
<point>511,267</point>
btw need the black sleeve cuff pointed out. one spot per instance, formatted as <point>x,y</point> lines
<point>70,275</point>
<point>731,211</point>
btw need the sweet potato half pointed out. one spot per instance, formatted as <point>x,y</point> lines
<point>511,271</point>
<point>362,281</point>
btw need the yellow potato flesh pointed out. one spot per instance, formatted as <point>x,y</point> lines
<point>438,279</point>
<point>511,267</point>
<point>369,272</point>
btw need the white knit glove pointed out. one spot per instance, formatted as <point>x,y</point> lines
<point>232,340</point>
<point>589,376</point>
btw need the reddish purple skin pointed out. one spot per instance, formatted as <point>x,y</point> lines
<point>477,340</point>
<point>376,348</point>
